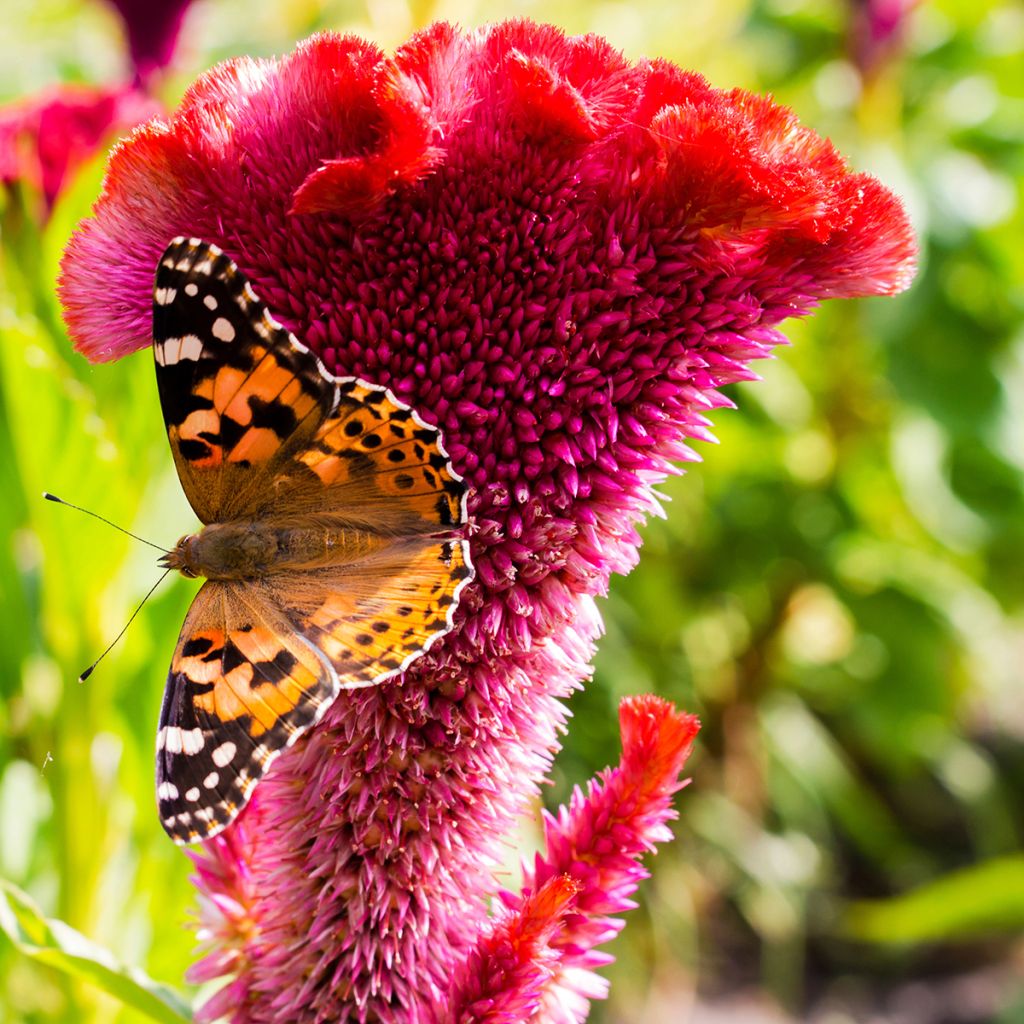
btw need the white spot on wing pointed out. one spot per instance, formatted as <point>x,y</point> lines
<point>211,780</point>
<point>208,301</point>
<point>224,754</point>
<point>171,347</point>
<point>167,791</point>
<point>192,289</point>
<point>222,329</point>
<point>176,740</point>
<point>165,296</point>
<point>191,347</point>
<point>192,795</point>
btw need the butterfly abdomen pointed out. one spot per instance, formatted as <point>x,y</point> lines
<point>248,550</point>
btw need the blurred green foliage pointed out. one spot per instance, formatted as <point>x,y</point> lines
<point>838,591</point>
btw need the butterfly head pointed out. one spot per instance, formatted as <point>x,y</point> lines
<point>182,557</point>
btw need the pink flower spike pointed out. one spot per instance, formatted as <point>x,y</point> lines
<point>505,977</point>
<point>598,841</point>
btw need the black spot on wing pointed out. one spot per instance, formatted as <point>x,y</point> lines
<point>273,415</point>
<point>231,432</point>
<point>444,510</point>
<point>194,451</point>
<point>273,671</point>
<point>233,657</point>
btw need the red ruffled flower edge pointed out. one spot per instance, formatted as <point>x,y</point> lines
<point>736,169</point>
<point>536,962</point>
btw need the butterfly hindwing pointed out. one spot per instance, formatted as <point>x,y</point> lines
<point>240,395</point>
<point>242,687</point>
<point>374,617</point>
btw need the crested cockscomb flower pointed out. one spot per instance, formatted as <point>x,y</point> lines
<point>558,256</point>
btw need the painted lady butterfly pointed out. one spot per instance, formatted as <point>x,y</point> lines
<point>332,550</point>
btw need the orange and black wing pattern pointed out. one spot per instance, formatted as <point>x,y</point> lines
<point>243,687</point>
<point>374,617</point>
<point>380,465</point>
<point>240,395</point>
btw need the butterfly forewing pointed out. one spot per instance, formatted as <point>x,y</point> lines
<point>262,434</point>
<point>240,395</point>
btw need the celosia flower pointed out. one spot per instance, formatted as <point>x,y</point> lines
<point>505,978</point>
<point>44,140</point>
<point>590,870</point>
<point>558,256</point>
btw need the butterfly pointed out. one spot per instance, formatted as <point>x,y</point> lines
<point>333,549</point>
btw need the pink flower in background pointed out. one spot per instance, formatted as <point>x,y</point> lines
<point>877,28</point>
<point>44,140</point>
<point>152,30</point>
<point>558,256</point>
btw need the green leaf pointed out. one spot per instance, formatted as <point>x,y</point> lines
<point>58,945</point>
<point>986,898</point>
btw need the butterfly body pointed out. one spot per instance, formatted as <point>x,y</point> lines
<point>249,550</point>
<point>332,550</point>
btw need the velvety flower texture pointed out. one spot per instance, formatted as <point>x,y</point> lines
<point>558,256</point>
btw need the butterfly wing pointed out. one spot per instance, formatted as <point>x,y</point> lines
<point>243,686</point>
<point>240,395</point>
<point>374,456</point>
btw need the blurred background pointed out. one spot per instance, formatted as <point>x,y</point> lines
<point>838,591</point>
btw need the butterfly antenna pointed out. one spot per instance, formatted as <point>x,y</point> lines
<point>60,501</point>
<point>88,672</point>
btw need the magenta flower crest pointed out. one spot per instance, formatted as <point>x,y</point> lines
<point>558,257</point>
